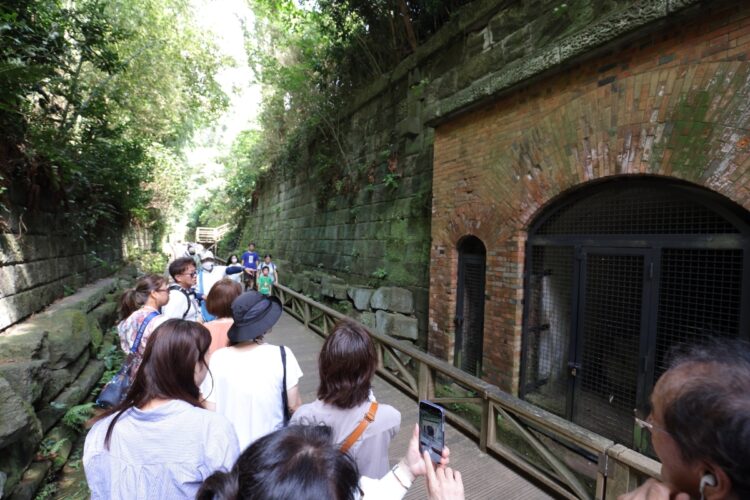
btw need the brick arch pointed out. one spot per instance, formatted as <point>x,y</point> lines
<point>676,107</point>
<point>700,135</point>
<point>550,205</point>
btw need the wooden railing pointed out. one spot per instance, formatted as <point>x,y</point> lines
<point>570,460</point>
<point>211,234</point>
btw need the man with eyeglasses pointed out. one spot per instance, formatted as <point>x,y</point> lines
<point>183,302</point>
<point>700,425</point>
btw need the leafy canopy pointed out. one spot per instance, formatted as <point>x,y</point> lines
<point>98,99</point>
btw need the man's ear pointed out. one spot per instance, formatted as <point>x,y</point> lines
<point>722,488</point>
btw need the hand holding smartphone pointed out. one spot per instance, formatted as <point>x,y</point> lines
<point>431,429</point>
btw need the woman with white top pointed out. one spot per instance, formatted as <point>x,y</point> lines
<point>233,260</point>
<point>159,442</point>
<point>246,378</point>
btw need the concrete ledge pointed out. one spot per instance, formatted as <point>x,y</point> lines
<point>607,30</point>
<point>73,395</point>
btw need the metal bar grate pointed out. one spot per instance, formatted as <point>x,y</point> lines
<point>606,394</point>
<point>636,210</point>
<point>473,314</point>
<point>596,334</point>
<point>548,328</point>
<point>700,296</point>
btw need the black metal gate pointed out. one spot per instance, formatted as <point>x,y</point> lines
<point>615,277</point>
<point>612,312</point>
<point>470,305</point>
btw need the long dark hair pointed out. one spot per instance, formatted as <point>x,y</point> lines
<point>134,298</point>
<point>168,368</point>
<point>295,463</point>
<point>347,363</point>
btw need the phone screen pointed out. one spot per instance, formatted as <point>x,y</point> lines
<point>431,429</point>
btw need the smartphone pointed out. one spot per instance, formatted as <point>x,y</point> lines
<point>431,429</point>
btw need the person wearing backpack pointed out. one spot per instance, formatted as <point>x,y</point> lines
<point>183,300</point>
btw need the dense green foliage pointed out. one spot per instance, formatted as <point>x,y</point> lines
<point>98,98</point>
<point>309,60</point>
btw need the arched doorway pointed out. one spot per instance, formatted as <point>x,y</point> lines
<point>616,274</point>
<point>469,319</point>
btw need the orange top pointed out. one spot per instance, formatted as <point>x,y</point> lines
<point>219,338</point>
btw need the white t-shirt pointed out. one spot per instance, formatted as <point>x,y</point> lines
<point>207,279</point>
<point>181,307</point>
<point>245,384</point>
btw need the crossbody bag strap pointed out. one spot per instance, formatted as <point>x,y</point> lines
<point>284,397</point>
<point>141,330</point>
<point>187,298</point>
<point>356,433</point>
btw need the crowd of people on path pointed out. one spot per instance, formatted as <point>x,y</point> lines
<point>214,410</point>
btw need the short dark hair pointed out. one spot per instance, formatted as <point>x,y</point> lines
<point>268,255</point>
<point>251,244</point>
<point>709,417</point>
<point>296,462</point>
<point>221,296</point>
<point>347,363</point>
<point>179,266</point>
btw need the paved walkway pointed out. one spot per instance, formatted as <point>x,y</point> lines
<point>484,477</point>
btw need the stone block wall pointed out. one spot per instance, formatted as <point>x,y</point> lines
<point>669,104</point>
<point>42,258</point>
<point>371,223</point>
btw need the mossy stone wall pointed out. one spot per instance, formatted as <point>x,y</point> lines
<point>369,222</point>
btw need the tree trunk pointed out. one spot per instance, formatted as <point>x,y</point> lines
<point>407,24</point>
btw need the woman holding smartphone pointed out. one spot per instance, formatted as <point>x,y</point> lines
<point>302,463</point>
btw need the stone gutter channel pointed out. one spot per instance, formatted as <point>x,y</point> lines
<point>50,363</point>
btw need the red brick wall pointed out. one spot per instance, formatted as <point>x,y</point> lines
<point>676,104</point>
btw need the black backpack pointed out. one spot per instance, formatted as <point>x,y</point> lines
<point>175,286</point>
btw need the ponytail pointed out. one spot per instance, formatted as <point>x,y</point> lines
<point>129,303</point>
<point>134,298</point>
<point>220,486</point>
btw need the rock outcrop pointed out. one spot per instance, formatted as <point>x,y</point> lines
<point>47,365</point>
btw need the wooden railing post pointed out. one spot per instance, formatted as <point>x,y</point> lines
<point>425,382</point>
<point>625,470</point>
<point>487,426</point>
<point>601,476</point>
<point>306,315</point>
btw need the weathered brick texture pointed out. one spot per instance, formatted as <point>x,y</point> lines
<point>675,103</point>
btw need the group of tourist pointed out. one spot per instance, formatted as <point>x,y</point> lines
<point>214,411</point>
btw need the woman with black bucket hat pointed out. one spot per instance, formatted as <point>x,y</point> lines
<point>246,379</point>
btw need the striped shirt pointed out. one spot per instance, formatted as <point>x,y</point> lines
<point>163,453</point>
